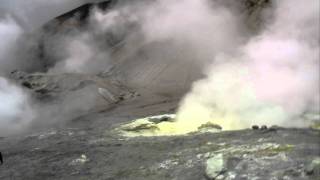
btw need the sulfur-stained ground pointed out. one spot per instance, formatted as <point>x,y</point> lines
<point>88,148</point>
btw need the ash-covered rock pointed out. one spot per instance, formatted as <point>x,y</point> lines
<point>53,86</point>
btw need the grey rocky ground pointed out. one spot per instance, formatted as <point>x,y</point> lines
<point>89,149</point>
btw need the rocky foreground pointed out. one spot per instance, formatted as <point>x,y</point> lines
<point>91,150</point>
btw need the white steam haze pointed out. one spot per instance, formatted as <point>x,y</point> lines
<point>273,80</point>
<point>15,110</point>
<point>81,51</point>
<point>270,78</point>
<point>17,17</point>
<point>170,34</point>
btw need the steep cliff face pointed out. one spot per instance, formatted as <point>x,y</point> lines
<point>79,16</point>
<point>127,51</point>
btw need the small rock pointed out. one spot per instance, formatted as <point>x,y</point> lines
<point>215,166</point>
<point>264,127</point>
<point>107,95</point>
<point>26,84</point>
<point>231,176</point>
<point>220,177</point>
<point>208,126</point>
<point>199,156</point>
<point>313,168</point>
<point>83,159</point>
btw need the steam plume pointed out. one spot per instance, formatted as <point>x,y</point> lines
<point>273,80</point>
<point>17,17</point>
<point>15,110</point>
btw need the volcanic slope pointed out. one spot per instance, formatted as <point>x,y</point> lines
<point>86,146</point>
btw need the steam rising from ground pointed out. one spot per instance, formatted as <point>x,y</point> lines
<point>274,79</point>
<point>83,56</point>
<point>15,111</point>
<point>271,78</point>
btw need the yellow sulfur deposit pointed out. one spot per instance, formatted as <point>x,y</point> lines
<point>164,125</point>
<point>225,101</point>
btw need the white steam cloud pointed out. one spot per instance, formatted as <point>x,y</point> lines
<point>274,79</point>
<point>83,56</point>
<point>160,37</point>
<point>271,78</point>
<point>10,31</point>
<point>15,110</point>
